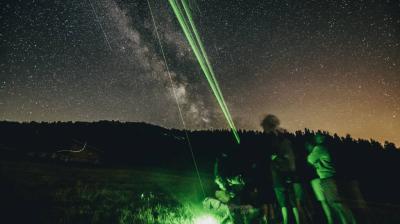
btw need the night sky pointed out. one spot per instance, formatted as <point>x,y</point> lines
<point>330,65</point>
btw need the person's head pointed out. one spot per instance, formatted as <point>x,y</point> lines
<point>309,147</point>
<point>270,124</point>
<point>319,138</point>
<point>309,143</point>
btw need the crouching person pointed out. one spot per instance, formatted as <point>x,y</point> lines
<point>227,202</point>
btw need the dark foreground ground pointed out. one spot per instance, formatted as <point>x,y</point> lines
<point>36,192</point>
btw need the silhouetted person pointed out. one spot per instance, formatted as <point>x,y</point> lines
<point>258,191</point>
<point>325,188</point>
<point>282,169</point>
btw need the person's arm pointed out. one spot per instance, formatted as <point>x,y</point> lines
<point>314,156</point>
<point>218,179</point>
<point>220,183</point>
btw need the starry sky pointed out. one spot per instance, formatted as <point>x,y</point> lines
<point>329,65</point>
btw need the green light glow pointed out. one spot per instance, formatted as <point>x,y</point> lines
<point>194,40</point>
<point>206,219</point>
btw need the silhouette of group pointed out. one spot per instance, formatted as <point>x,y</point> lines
<point>247,193</point>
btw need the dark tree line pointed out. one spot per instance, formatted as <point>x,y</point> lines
<point>373,165</point>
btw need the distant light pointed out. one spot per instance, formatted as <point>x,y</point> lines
<point>206,219</point>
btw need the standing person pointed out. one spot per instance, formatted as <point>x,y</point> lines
<point>326,189</point>
<point>315,183</point>
<point>258,190</point>
<point>316,187</point>
<point>282,169</point>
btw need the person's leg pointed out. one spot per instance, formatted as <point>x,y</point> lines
<point>272,212</point>
<point>268,214</point>
<point>327,211</point>
<point>296,215</point>
<point>292,201</point>
<point>264,213</point>
<point>281,197</point>
<point>285,215</point>
<point>267,200</point>
<point>349,214</point>
<point>337,207</point>
<point>345,214</point>
<point>333,198</point>
<point>320,196</point>
<point>297,200</point>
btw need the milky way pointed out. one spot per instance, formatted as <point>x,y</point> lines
<point>331,65</point>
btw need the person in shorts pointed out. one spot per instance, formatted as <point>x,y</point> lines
<point>282,167</point>
<point>326,189</point>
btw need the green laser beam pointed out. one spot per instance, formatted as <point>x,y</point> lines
<point>195,42</point>
<point>210,73</point>
<point>196,51</point>
<point>204,60</point>
<point>200,43</point>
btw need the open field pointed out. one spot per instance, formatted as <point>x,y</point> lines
<point>47,193</point>
<point>34,192</point>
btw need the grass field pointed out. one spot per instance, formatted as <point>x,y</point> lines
<point>33,192</point>
<point>48,193</point>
